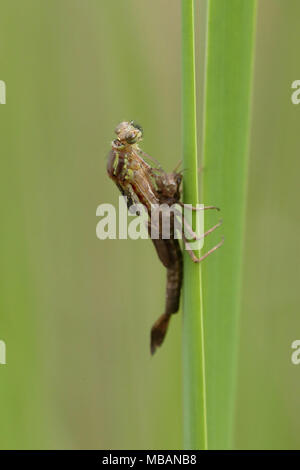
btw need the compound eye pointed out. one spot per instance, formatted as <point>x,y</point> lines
<point>137,126</point>
<point>131,137</point>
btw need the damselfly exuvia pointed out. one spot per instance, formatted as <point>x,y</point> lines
<point>151,186</point>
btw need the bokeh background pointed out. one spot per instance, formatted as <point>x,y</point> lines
<point>75,312</point>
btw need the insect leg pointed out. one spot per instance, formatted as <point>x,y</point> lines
<point>159,167</point>
<point>188,206</point>
<point>192,254</point>
<point>177,167</point>
<point>194,236</point>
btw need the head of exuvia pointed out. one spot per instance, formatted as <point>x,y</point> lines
<point>169,184</point>
<point>129,133</point>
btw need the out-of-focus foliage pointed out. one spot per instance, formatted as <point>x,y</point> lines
<point>268,398</point>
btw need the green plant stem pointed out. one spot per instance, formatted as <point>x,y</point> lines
<point>229,63</point>
<point>195,432</point>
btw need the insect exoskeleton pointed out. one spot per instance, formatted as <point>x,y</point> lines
<point>152,186</point>
<point>129,132</point>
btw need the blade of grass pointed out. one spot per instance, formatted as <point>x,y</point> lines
<point>195,433</point>
<point>229,59</point>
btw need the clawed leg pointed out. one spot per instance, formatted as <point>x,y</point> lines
<point>188,206</point>
<point>192,254</point>
<point>190,230</point>
<point>212,229</point>
<point>177,167</point>
<point>159,167</point>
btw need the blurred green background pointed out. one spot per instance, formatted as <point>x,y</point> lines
<point>75,312</point>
